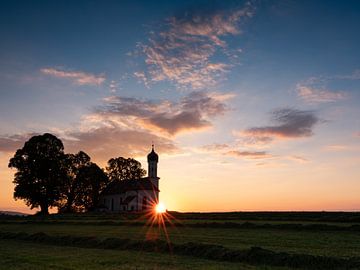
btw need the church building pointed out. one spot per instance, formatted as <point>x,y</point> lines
<point>134,195</point>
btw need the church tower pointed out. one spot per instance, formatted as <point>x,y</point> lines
<point>153,159</point>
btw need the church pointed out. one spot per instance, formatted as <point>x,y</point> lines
<point>134,195</point>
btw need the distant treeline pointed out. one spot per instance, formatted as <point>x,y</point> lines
<point>315,216</point>
<point>253,255</point>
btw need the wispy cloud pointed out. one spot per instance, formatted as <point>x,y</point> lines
<point>12,142</point>
<point>313,95</point>
<point>78,77</point>
<point>194,112</point>
<point>316,89</point>
<point>336,147</point>
<point>127,126</point>
<point>141,78</point>
<point>215,147</point>
<point>183,52</point>
<point>299,159</point>
<point>288,123</point>
<point>249,154</point>
<point>355,75</point>
<point>231,150</point>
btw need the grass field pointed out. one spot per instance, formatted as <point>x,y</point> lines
<point>335,237</point>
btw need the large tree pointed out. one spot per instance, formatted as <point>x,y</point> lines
<point>40,172</point>
<point>124,168</point>
<point>71,188</point>
<point>90,181</point>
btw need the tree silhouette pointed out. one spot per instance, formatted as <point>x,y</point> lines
<point>71,188</point>
<point>124,168</point>
<point>90,181</point>
<point>40,172</point>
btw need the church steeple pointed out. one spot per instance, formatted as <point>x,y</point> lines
<point>153,159</point>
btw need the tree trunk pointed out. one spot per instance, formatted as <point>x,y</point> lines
<point>44,209</point>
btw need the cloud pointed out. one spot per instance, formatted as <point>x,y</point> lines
<point>313,95</point>
<point>336,147</point>
<point>183,52</point>
<point>249,154</point>
<point>289,123</point>
<point>101,143</point>
<point>216,147</point>
<point>194,112</point>
<point>355,75</point>
<point>14,142</point>
<point>106,142</point>
<point>299,159</point>
<point>113,86</point>
<point>141,77</point>
<point>78,77</point>
<point>228,150</point>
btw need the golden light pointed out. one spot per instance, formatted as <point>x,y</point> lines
<point>160,208</point>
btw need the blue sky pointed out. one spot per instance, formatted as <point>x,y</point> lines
<point>243,90</point>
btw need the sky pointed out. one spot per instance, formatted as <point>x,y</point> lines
<point>251,105</point>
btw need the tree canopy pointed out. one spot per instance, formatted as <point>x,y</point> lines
<point>40,172</point>
<point>90,181</point>
<point>71,189</point>
<point>124,168</point>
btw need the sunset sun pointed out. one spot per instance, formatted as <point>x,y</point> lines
<point>160,208</point>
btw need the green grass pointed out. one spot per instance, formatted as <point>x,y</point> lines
<point>327,243</point>
<point>19,255</point>
<point>325,240</point>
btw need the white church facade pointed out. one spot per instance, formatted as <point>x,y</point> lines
<point>134,195</point>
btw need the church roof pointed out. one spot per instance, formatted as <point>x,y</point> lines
<point>152,156</point>
<point>117,187</point>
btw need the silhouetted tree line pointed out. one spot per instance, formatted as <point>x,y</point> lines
<point>48,177</point>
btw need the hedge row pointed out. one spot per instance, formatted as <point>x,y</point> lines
<point>254,255</point>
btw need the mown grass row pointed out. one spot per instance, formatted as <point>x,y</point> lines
<point>228,225</point>
<point>342,217</point>
<point>253,255</point>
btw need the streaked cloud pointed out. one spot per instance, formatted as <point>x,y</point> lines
<point>288,123</point>
<point>232,150</point>
<point>215,147</point>
<point>193,112</point>
<point>12,142</point>
<point>183,52</point>
<point>355,75</point>
<point>249,154</point>
<point>313,95</point>
<point>78,77</point>
<point>299,159</point>
<point>336,147</point>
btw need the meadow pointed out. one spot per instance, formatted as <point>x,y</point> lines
<point>241,240</point>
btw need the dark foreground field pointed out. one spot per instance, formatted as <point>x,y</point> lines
<point>241,240</point>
